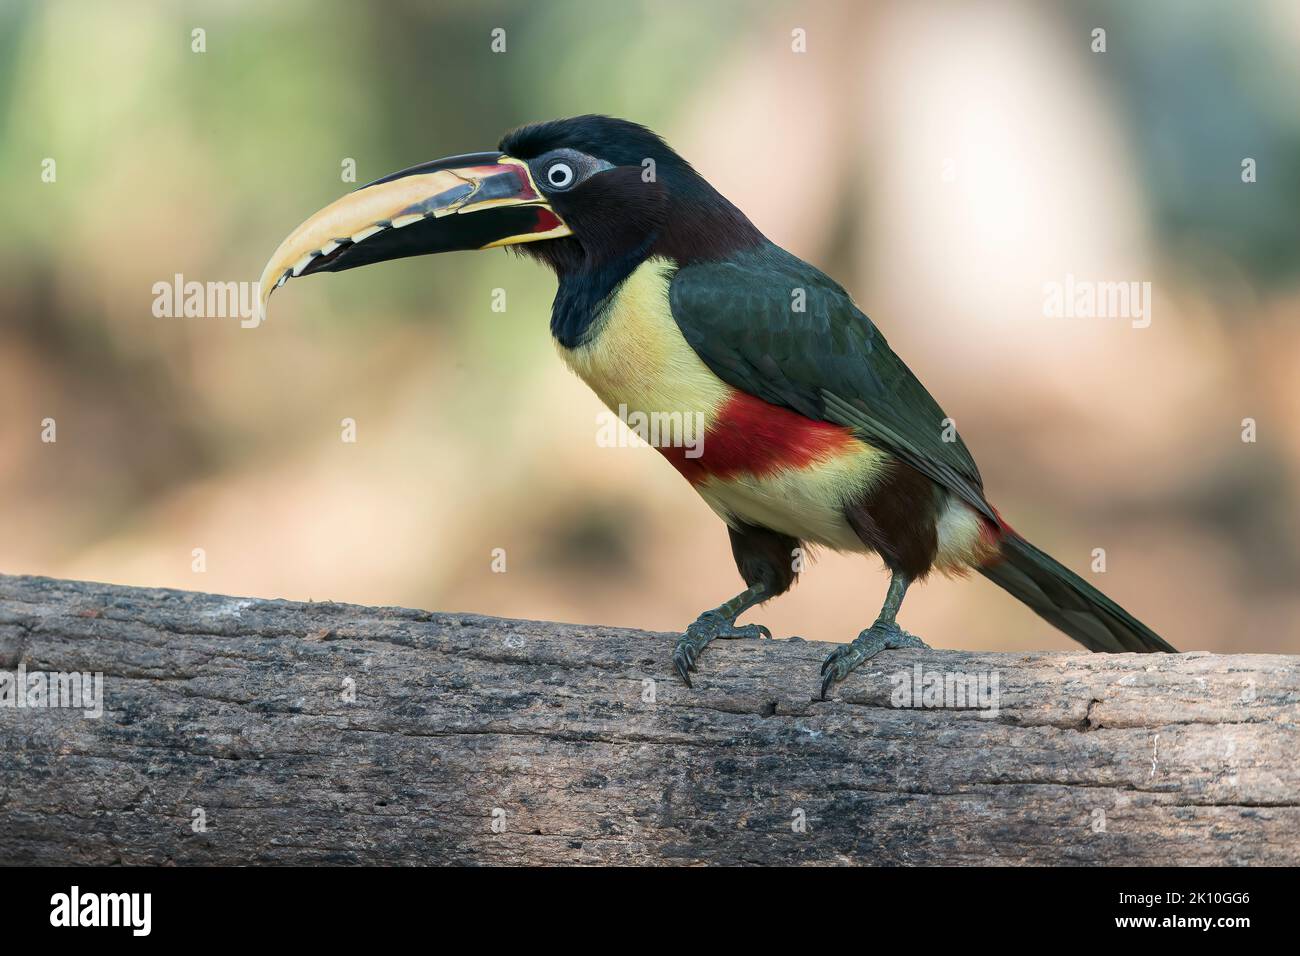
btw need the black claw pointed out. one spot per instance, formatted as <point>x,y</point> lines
<point>708,627</point>
<point>826,684</point>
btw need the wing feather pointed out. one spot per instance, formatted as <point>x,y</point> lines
<point>771,325</point>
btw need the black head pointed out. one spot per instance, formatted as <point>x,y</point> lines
<point>617,141</point>
<point>624,192</point>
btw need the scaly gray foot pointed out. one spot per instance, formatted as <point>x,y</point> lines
<point>709,626</point>
<point>878,637</point>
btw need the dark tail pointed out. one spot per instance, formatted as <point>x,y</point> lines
<point>1068,602</point>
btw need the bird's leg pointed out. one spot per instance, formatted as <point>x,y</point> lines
<point>719,623</point>
<point>885,633</point>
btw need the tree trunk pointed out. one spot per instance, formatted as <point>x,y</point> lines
<point>249,731</point>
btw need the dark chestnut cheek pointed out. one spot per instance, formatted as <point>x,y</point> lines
<point>614,208</point>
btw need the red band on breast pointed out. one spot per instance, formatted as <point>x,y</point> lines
<point>751,436</point>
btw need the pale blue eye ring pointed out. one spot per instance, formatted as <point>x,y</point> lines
<point>559,176</point>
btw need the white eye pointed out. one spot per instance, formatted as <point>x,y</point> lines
<point>559,176</point>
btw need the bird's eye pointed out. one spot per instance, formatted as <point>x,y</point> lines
<point>559,176</point>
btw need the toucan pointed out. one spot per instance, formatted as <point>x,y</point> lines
<point>671,302</point>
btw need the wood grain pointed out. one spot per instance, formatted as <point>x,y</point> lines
<point>581,746</point>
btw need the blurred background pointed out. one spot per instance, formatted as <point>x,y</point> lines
<point>953,158</point>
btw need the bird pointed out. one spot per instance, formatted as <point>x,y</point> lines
<point>671,302</point>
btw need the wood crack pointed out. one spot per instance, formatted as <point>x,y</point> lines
<point>329,733</point>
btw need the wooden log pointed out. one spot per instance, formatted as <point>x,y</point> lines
<point>251,731</point>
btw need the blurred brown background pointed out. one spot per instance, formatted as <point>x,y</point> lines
<point>950,159</point>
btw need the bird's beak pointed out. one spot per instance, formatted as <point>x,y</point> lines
<point>475,201</point>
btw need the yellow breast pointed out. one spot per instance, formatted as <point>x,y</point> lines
<point>636,356</point>
<point>636,360</point>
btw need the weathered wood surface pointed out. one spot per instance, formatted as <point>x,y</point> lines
<point>236,708</point>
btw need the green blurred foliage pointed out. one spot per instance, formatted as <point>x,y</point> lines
<point>1203,86</point>
<point>171,161</point>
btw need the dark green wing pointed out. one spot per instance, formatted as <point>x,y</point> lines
<point>827,362</point>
